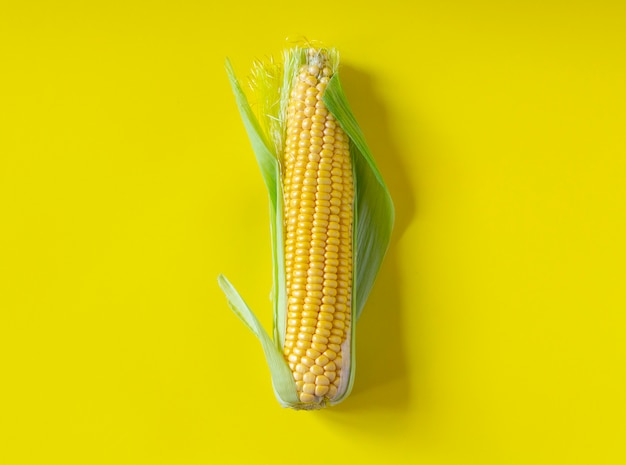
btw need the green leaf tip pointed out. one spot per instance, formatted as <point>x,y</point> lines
<point>282,379</point>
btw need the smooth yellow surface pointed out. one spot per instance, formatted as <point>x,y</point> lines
<point>495,334</point>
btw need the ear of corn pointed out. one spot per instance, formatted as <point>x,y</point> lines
<point>331,218</point>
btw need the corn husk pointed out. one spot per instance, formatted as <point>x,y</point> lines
<point>270,83</point>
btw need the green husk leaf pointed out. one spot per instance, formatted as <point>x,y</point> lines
<point>269,80</point>
<point>270,170</point>
<point>282,378</point>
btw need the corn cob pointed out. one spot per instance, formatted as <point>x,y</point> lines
<point>318,197</point>
<point>331,217</point>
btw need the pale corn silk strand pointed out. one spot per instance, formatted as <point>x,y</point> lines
<point>319,196</point>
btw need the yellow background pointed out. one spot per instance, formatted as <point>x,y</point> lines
<point>495,333</point>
